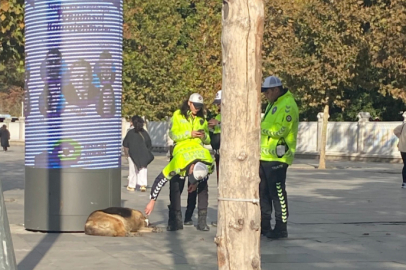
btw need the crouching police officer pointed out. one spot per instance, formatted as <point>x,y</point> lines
<point>279,128</point>
<point>214,125</point>
<point>190,159</point>
<point>188,124</point>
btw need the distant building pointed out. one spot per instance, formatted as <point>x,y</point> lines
<point>3,117</point>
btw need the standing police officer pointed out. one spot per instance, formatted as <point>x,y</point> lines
<point>215,128</point>
<point>215,131</point>
<point>279,128</point>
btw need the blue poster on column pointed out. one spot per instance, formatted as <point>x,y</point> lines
<point>73,84</point>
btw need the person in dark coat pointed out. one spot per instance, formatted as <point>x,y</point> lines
<point>137,148</point>
<point>4,137</point>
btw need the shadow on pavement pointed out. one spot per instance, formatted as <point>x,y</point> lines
<point>38,252</point>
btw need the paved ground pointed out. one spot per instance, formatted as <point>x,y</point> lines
<point>350,216</point>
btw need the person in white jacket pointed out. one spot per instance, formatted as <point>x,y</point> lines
<point>400,132</point>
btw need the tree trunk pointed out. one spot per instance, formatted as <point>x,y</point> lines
<point>322,161</point>
<point>238,233</point>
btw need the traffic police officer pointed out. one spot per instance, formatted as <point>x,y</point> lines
<point>215,131</point>
<point>190,159</point>
<point>279,128</point>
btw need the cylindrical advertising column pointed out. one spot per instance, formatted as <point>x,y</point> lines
<point>73,111</point>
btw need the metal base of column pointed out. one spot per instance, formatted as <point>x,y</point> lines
<point>60,200</point>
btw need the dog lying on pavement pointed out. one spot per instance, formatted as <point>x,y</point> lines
<point>117,221</point>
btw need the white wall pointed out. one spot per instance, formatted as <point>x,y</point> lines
<point>356,139</point>
<point>342,137</point>
<point>379,139</point>
<point>158,133</point>
<point>14,128</point>
<point>307,137</point>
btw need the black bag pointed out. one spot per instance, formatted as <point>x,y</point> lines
<point>150,157</point>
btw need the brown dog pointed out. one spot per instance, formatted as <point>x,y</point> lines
<point>117,221</point>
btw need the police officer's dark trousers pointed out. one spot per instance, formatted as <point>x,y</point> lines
<point>202,191</point>
<point>217,158</point>
<point>176,185</point>
<point>202,195</point>
<point>272,190</point>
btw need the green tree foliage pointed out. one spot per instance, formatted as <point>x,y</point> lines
<point>324,52</point>
<point>11,56</point>
<point>204,47</point>
<point>385,25</point>
<point>171,49</point>
<point>315,49</point>
<point>153,58</point>
<point>348,54</point>
<point>10,100</point>
<point>12,44</point>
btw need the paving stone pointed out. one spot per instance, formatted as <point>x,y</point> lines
<point>351,218</point>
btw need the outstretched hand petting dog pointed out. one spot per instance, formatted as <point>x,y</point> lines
<point>150,207</point>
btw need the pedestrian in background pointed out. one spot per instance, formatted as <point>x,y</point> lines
<point>279,128</point>
<point>4,137</point>
<point>401,134</point>
<point>137,148</point>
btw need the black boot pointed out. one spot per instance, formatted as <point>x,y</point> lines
<point>175,220</point>
<point>201,223</point>
<point>179,220</point>
<point>265,226</point>
<point>171,220</point>
<point>280,231</point>
<point>188,218</point>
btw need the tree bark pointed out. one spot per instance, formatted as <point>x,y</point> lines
<point>322,161</point>
<point>238,233</point>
